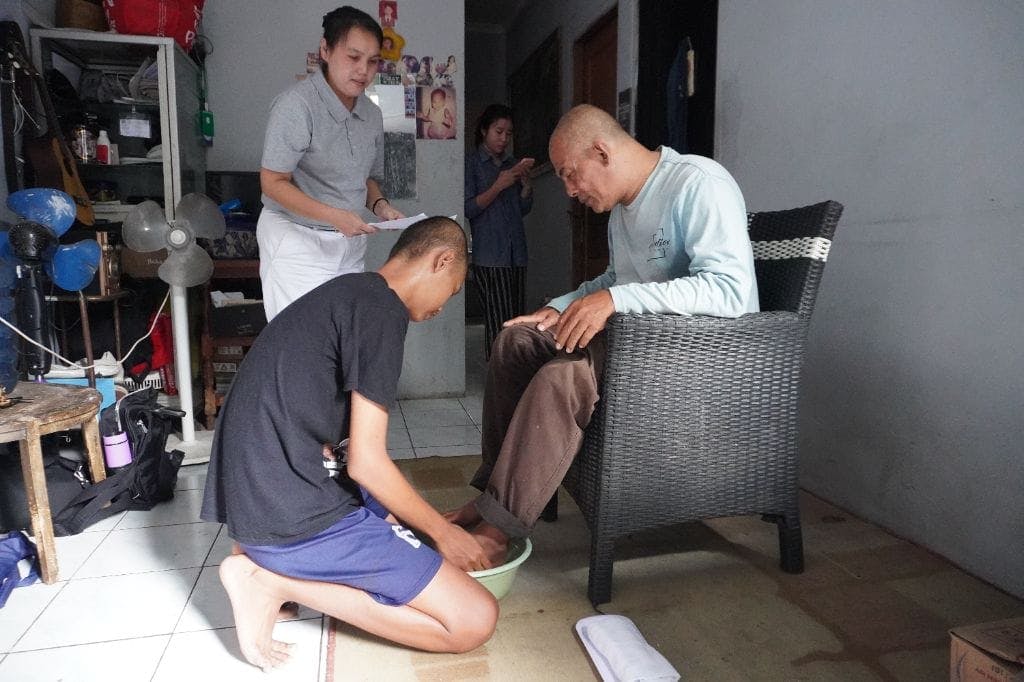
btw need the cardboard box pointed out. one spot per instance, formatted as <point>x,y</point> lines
<point>81,14</point>
<point>227,353</point>
<point>987,652</point>
<point>223,381</point>
<point>142,265</point>
<point>240,319</point>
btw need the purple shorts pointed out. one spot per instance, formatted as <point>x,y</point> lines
<point>363,551</point>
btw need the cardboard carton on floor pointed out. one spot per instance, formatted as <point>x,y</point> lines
<point>987,652</point>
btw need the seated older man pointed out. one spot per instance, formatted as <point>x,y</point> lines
<point>678,244</point>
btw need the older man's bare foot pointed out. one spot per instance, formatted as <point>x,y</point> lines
<point>255,608</point>
<point>289,609</point>
<point>493,542</point>
<point>466,516</point>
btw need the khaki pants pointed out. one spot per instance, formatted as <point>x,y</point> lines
<point>537,402</point>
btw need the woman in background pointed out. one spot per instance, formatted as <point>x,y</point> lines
<point>323,162</point>
<point>498,195</point>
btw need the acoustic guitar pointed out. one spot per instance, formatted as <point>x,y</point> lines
<point>53,162</point>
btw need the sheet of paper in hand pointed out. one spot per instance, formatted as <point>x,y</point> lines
<point>401,223</point>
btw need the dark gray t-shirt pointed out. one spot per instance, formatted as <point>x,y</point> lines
<point>266,478</point>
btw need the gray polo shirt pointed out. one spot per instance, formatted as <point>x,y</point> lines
<point>329,150</point>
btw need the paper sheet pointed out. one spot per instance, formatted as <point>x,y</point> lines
<point>399,224</point>
<point>402,223</point>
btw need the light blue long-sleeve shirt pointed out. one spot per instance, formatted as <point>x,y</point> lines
<point>681,246</point>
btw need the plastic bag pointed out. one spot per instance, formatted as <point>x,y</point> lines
<point>178,19</point>
<point>19,563</point>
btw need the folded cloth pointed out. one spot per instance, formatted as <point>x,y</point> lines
<point>620,653</point>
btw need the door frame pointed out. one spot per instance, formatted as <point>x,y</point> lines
<point>582,219</point>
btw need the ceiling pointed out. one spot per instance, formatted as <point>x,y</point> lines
<point>496,13</point>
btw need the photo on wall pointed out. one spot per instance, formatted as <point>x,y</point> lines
<point>387,10</point>
<point>436,113</point>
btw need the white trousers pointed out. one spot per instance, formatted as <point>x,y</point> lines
<point>295,259</point>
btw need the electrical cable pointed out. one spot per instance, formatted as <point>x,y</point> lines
<point>71,363</point>
<point>117,406</point>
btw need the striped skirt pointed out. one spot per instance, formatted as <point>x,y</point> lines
<point>503,290</point>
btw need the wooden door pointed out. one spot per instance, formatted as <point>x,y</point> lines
<point>594,82</point>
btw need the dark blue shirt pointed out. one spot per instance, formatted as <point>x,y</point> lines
<point>498,235</point>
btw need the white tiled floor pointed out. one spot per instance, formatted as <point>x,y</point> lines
<point>139,598</point>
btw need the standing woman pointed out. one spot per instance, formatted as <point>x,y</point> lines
<point>323,160</point>
<point>498,195</point>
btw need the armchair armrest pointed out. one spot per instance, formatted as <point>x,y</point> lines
<point>719,394</point>
<point>653,349</point>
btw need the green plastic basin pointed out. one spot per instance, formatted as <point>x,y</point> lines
<point>498,580</point>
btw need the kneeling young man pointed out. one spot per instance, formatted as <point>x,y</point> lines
<point>323,370</point>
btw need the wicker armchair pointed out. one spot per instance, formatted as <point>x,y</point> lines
<point>698,415</point>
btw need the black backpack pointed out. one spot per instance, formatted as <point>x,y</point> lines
<point>149,478</point>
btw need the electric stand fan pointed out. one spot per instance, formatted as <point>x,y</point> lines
<point>32,244</point>
<point>146,229</point>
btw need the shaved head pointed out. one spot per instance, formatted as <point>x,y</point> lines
<point>428,234</point>
<point>584,124</point>
<point>599,163</point>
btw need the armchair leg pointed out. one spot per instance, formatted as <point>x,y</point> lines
<point>599,585</point>
<point>550,513</point>
<point>791,543</point>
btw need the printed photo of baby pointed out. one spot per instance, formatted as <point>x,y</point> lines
<point>435,113</point>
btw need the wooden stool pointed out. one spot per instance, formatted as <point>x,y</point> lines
<point>48,408</point>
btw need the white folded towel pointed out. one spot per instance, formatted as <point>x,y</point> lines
<point>620,652</point>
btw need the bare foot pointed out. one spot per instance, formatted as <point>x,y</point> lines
<point>466,516</point>
<point>255,609</point>
<point>289,609</point>
<point>493,542</point>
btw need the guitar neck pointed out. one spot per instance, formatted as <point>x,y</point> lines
<point>52,119</point>
<point>65,159</point>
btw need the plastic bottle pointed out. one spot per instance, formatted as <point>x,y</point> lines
<point>83,144</point>
<point>103,148</point>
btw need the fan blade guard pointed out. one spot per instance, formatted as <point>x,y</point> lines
<point>186,267</point>
<point>145,228</point>
<point>203,216</point>
<point>74,265</point>
<point>49,207</point>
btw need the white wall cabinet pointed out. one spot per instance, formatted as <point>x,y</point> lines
<point>171,106</point>
<point>181,167</point>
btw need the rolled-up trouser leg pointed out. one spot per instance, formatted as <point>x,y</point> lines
<point>542,438</point>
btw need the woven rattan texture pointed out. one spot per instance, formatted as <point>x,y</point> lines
<point>698,415</point>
